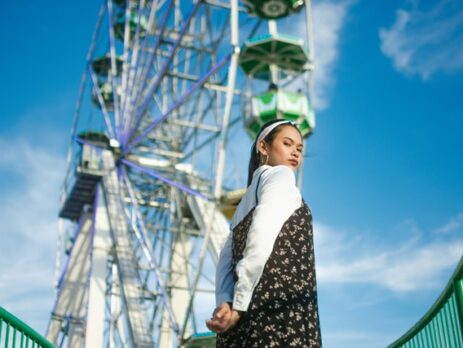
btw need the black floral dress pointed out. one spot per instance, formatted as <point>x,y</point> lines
<point>283,311</point>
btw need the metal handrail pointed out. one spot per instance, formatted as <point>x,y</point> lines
<point>451,296</point>
<point>21,335</point>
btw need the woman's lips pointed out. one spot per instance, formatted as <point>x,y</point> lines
<point>293,162</point>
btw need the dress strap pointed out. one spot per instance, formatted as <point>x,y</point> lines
<point>257,186</point>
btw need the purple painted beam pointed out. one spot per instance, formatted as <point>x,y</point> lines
<point>165,180</point>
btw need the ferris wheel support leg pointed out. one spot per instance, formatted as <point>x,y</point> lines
<point>69,309</point>
<point>209,226</point>
<point>94,336</point>
<point>58,253</point>
<point>179,294</point>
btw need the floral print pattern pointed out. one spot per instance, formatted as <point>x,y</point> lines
<point>283,311</point>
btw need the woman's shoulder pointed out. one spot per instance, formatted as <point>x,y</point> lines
<point>279,173</point>
<point>278,184</point>
<point>279,180</point>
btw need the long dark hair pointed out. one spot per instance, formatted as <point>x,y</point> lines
<point>255,158</point>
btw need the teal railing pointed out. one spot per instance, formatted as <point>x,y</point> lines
<point>442,325</point>
<point>15,334</point>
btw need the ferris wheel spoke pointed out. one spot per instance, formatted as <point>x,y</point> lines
<point>200,118</point>
<point>144,68</point>
<point>75,117</point>
<point>168,181</point>
<point>195,124</point>
<point>179,102</point>
<point>127,68</point>
<point>148,252</point>
<point>97,91</point>
<point>153,87</point>
<point>131,48</point>
<point>182,260</point>
<point>139,65</point>
<point>113,69</point>
<point>185,260</point>
<point>208,140</point>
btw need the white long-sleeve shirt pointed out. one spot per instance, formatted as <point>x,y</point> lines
<point>278,197</point>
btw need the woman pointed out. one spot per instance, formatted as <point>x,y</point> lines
<point>265,282</point>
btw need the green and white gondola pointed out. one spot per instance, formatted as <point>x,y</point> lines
<point>260,54</point>
<point>273,9</point>
<point>281,105</point>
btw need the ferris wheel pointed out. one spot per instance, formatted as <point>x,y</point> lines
<point>169,91</point>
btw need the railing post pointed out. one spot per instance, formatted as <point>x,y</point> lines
<point>18,327</point>
<point>458,286</point>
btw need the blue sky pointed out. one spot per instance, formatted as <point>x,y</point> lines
<point>382,176</point>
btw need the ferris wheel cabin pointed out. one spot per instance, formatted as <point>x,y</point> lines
<point>134,22</point>
<point>273,9</point>
<point>265,58</point>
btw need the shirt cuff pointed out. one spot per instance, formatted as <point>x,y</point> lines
<point>241,301</point>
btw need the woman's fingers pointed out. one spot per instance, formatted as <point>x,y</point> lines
<point>220,321</point>
<point>222,311</point>
<point>211,326</point>
<point>219,308</point>
<point>216,326</point>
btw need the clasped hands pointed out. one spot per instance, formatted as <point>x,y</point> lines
<point>223,318</point>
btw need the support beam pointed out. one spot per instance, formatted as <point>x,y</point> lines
<point>94,336</point>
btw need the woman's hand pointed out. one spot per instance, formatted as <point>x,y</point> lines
<point>223,318</point>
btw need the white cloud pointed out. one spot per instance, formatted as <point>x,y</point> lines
<point>31,177</point>
<point>454,224</point>
<point>329,18</point>
<point>406,267</point>
<point>426,41</point>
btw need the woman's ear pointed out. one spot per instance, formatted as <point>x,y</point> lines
<point>262,146</point>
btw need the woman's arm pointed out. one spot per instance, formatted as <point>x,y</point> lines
<point>278,198</point>
<point>224,274</point>
<point>224,317</point>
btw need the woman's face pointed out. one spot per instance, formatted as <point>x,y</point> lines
<point>286,148</point>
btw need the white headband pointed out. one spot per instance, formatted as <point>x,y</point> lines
<point>267,131</point>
